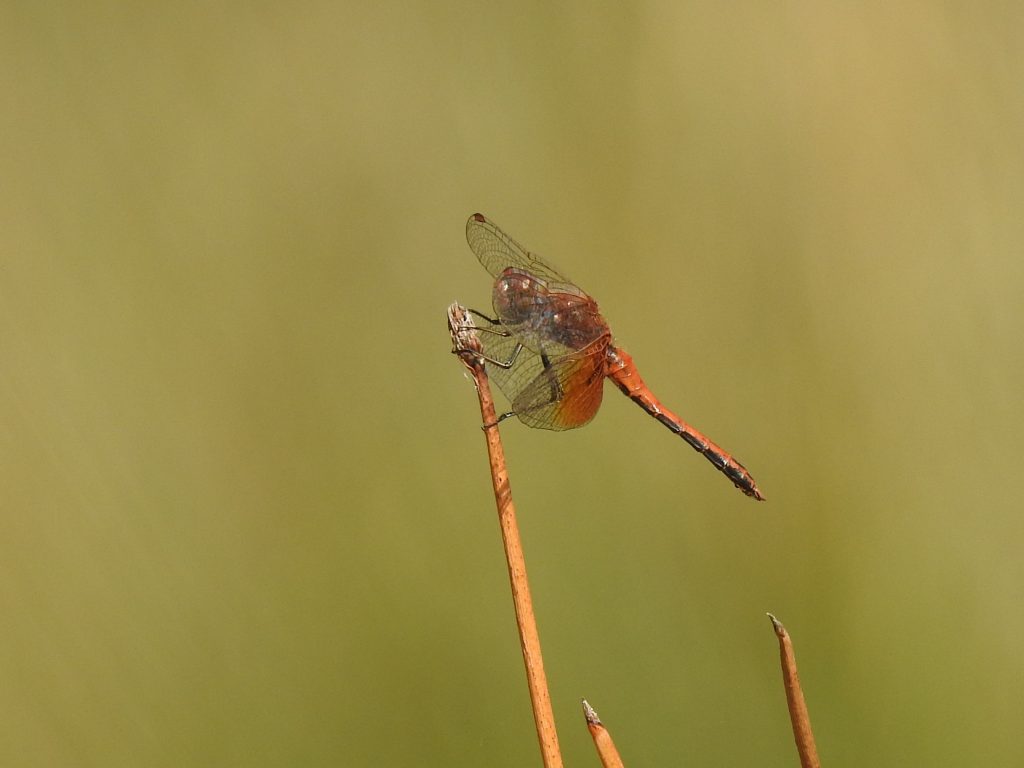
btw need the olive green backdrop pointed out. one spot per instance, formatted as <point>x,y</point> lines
<point>246,517</point>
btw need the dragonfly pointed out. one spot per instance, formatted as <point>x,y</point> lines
<point>549,350</point>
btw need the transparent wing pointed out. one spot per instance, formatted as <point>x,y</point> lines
<point>497,251</point>
<point>565,395</point>
<point>555,388</point>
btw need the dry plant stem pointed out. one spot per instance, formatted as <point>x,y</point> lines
<point>602,739</point>
<point>795,698</point>
<point>467,347</point>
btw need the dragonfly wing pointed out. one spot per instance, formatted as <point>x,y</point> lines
<point>562,394</point>
<point>497,251</point>
<point>502,346</point>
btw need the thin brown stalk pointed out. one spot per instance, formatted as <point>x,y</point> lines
<point>798,716</point>
<point>467,347</point>
<point>602,739</point>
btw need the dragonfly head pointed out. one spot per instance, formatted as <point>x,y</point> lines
<point>517,296</point>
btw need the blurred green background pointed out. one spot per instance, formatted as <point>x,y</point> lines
<point>246,511</point>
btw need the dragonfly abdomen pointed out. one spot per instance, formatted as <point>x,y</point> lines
<point>621,370</point>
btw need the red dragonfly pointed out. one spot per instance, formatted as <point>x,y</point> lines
<point>549,350</point>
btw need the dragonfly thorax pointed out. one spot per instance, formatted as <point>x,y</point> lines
<point>544,315</point>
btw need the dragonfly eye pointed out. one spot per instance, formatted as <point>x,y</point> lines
<point>516,297</point>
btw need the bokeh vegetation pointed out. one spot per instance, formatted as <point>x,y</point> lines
<point>246,511</point>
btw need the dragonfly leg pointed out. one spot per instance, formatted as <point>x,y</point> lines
<point>495,328</point>
<point>555,392</point>
<point>498,420</point>
<point>497,331</point>
<point>490,320</point>
<point>500,363</point>
<point>555,389</point>
<point>553,382</point>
